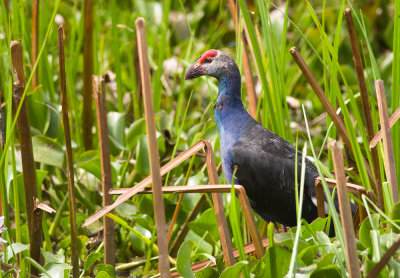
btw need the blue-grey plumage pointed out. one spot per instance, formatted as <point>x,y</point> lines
<point>265,162</point>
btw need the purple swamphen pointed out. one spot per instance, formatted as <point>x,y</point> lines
<point>265,162</point>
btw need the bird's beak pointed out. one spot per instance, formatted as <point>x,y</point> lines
<point>194,71</point>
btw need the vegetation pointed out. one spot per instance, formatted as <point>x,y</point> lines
<point>177,33</point>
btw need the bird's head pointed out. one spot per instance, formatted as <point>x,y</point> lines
<point>213,63</point>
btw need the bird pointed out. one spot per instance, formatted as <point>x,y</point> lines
<point>263,161</point>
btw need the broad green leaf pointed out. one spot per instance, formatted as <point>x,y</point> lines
<point>52,258</point>
<point>235,270</point>
<point>207,272</point>
<point>164,121</point>
<point>91,259</point>
<point>364,233</point>
<point>102,274</point>
<point>90,162</point>
<point>135,130</point>
<point>207,222</point>
<point>331,271</point>
<point>283,256</point>
<point>287,239</point>
<point>82,241</point>
<point>326,260</point>
<point>142,156</point>
<point>65,222</point>
<point>47,151</point>
<point>116,126</point>
<point>16,248</point>
<point>106,268</point>
<point>57,270</point>
<point>316,226</point>
<point>325,242</point>
<point>183,260</point>
<point>307,254</point>
<point>142,159</point>
<point>143,220</point>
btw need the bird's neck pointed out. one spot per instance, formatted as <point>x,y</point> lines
<point>230,115</point>
<point>229,87</point>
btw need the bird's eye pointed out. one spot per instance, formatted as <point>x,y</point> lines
<point>207,61</point>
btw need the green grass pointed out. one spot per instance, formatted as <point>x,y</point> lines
<point>181,31</point>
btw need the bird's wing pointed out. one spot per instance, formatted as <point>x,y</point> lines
<point>270,160</point>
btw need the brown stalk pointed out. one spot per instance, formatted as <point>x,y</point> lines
<point>328,107</point>
<point>178,189</point>
<point>366,107</point>
<point>28,163</point>
<point>87,117</point>
<point>70,160</point>
<point>319,193</point>
<point>251,223</point>
<point>158,200</point>
<point>321,95</point>
<point>219,207</point>
<point>351,187</point>
<point>106,175</point>
<point>251,93</point>
<point>392,120</point>
<point>35,39</point>
<point>345,211</point>
<point>127,193</point>
<point>387,140</point>
<point>214,189</point>
<point>145,182</point>
<point>384,260</point>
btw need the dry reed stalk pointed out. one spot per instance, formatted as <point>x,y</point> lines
<point>70,160</point>
<point>106,174</point>
<point>389,163</point>
<point>345,211</point>
<point>251,223</point>
<point>87,117</point>
<point>328,107</point>
<point>321,95</point>
<point>351,187</point>
<point>35,40</point>
<point>366,107</point>
<point>319,193</point>
<point>392,120</point>
<point>130,192</point>
<point>28,163</point>
<point>158,200</point>
<point>214,189</point>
